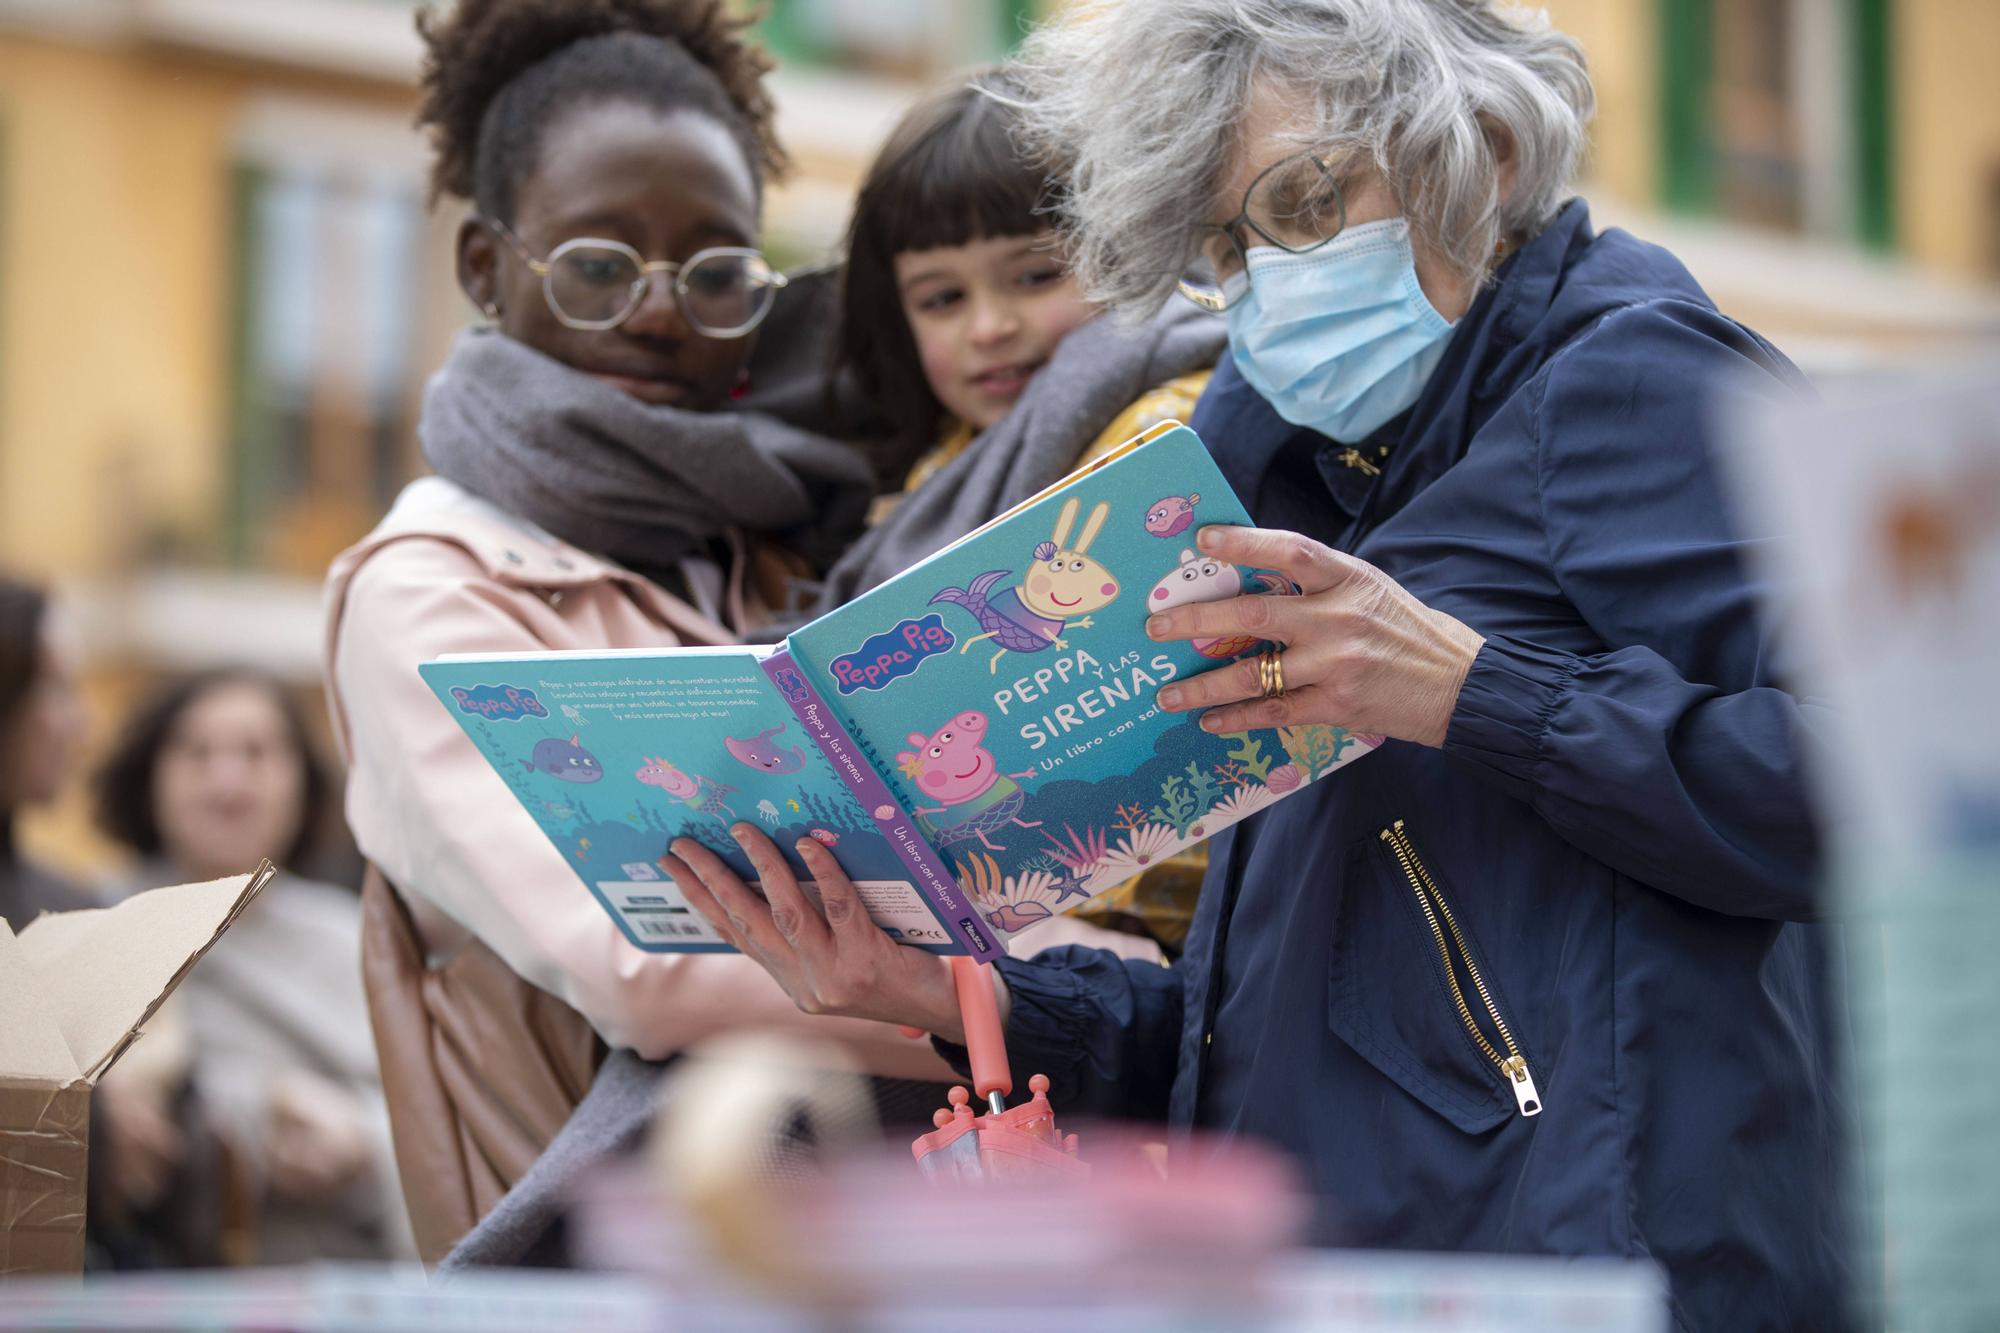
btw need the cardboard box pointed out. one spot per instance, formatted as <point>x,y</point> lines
<point>75,989</point>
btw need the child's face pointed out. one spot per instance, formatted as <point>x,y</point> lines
<point>986,316</point>
<point>665,185</point>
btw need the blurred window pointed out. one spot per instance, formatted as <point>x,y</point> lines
<point>911,38</point>
<point>326,312</point>
<point>1753,109</point>
<point>1776,113</point>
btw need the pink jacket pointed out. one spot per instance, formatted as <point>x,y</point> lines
<point>445,572</point>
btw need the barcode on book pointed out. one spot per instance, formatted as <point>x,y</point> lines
<point>655,913</point>
<point>665,928</point>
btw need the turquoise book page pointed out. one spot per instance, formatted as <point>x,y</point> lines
<point>615,754</point>
<point>1006,690</point>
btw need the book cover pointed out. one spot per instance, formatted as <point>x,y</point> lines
<point>1005,689</point>
<point>615,754</point>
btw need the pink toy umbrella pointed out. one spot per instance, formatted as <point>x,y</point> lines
<point>1022,1142</point>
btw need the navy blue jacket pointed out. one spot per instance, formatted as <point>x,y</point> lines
<point>1617,823</point>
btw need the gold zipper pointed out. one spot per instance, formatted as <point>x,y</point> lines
<point>1513,1066</point>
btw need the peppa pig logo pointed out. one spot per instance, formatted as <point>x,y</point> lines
<point>499,703</point>
<point>792,685</point>
<point>891,655</point>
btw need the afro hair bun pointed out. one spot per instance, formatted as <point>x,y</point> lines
<point>476,48</point>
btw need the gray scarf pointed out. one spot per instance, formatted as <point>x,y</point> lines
<point>640,484</point>
<point>1095,374</point>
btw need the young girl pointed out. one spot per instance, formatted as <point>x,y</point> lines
<point>596,480</point>
<point>962,326</point>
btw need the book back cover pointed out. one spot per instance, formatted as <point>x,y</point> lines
<point>614,755</point>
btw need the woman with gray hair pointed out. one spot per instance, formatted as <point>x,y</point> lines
<point>1538,975</point>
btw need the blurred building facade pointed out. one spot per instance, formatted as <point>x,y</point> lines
<point>221,288</point>
<point>1830,169</point>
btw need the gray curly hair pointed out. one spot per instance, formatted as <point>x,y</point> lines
<point>1136,104</point>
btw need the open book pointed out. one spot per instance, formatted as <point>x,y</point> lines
<point>977,740</point>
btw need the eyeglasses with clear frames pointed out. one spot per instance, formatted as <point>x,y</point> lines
<point>590,283</point>
<point>1294,204</point>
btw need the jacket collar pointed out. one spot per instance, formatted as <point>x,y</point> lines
<point>517,554</point>
<point>509,549</point>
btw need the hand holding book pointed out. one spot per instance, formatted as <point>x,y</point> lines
<point>1360,652</point>
<point>830,957</point>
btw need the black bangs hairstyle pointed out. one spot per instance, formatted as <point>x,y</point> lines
<point>950,174</point>
<point>498,72</point>
<point>125,782</point>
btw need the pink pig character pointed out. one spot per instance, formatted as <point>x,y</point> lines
<point>1170,517</point>
<point>701,795</point>
<point>952,766</point>
<point>1205,579</point>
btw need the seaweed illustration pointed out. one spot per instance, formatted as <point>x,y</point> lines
<point>1249,752</point>
<point>1084,851</point>
<point>1041,863</point>
<point>827,814</point>
<point>1183,800</point>
<point>1206,789</point>
<point>1131,817</point>
<point>979,875</point>
<point>1316,747</point>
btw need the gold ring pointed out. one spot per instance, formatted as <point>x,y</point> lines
<point>1271,672</point>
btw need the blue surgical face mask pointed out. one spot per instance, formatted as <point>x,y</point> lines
<point>1341,338</point>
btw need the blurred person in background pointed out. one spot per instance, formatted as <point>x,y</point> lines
<point>155,1194</point>
<point>41,727</point>
<point>210,777</point>
<point>602,481</point>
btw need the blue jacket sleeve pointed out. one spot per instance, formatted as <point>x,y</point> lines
<point>1105,1029</point>
<point>1675,755</point>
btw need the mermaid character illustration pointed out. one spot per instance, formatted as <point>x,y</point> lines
<point>952,766</point>
<point>702,795</point>
<point>1206,579</point>
<point>1063,583</point>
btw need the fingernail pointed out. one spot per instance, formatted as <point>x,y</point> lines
<point>738,832</point>
<point>1211,723</point>
<point>676,845</point>
<point>1156,626</point>
<point>1170,697</point>
<point>804,845</point>
<point>1208,538</point>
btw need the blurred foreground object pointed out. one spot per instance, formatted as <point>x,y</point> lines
<point>1326,1292</point>
<point>75,990</point>
<point>773,1204</point>
<point>1023,1143</point>
<point>1888,499</point>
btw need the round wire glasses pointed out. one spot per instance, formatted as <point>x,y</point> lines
<point>722,292</point>
<point>1294,204</point>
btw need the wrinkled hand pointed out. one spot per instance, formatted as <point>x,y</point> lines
<point>316,1137</point>
<point>1360,652</point>
<point>835,961</point>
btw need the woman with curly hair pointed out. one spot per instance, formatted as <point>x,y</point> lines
<point>601,478</point>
